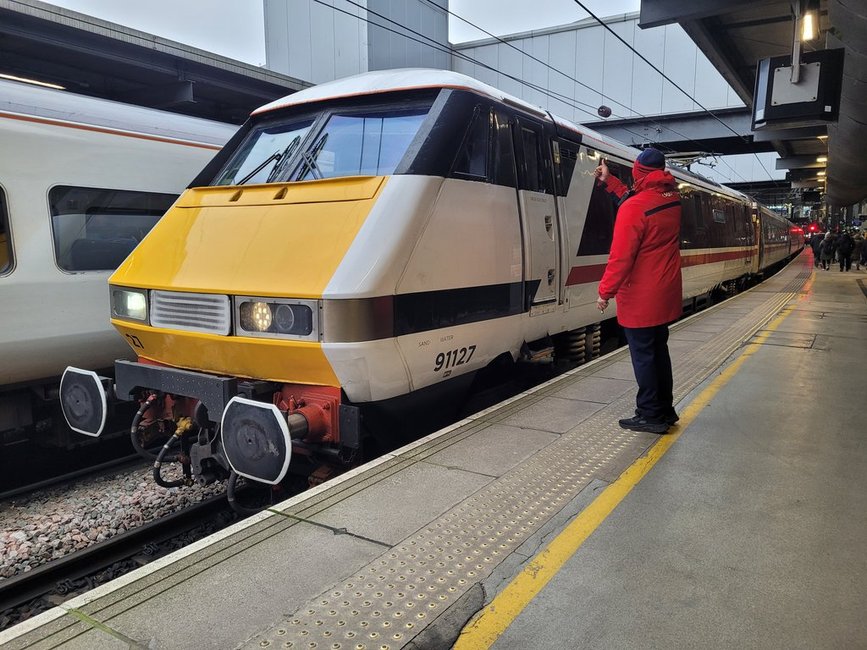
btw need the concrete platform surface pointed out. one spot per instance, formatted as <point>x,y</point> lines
<point>751,530</point>
<point>744,525</point>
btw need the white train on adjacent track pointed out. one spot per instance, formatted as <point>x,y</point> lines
<point>82,180</point>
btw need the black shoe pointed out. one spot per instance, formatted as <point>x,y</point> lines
<point>671,419</point>
<point>639,423</point>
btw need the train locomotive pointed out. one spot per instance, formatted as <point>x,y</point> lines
<point>367,244</point>
<point>87,180</point>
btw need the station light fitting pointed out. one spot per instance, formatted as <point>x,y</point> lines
<point>809,26</point>
<point>34,82</point>
<point>820,173</point>
<point>822,137</point>
<point>822,159</point>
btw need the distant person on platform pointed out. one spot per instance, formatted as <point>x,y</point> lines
<point>859,252</point>
<point>643,274</point>
<point>816,245</point>
<point>827,250</point>
<point>845,246</point>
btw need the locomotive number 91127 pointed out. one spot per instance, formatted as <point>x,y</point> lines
<point>452,358</point>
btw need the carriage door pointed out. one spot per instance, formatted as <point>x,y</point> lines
<point>538,207</point>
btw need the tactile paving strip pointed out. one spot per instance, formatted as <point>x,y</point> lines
<point>390,601</point>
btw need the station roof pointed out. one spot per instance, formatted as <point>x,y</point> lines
<point>736,34</point>
<point>94,57</point>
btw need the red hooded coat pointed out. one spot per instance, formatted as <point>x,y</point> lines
<point>643,270</point>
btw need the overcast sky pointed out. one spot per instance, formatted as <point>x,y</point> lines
<point>235,28</point>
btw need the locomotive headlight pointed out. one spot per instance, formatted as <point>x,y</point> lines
<point>256,316</point>
<point>129,304</point>
<point>276,318</point>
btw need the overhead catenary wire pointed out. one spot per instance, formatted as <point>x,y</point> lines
<point>423,39</point>
<point>657,125</point>
<point>669,80</point>
<point>433,44</point>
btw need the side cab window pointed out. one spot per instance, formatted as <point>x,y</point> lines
<point>535,163</point>
<point>5,237</point>
<point>503,163</point>
<point>601,212</point>
<point>473,157</point>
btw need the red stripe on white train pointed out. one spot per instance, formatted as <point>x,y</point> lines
<point>593,272</point>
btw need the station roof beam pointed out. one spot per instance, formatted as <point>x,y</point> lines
<point>736,34</point>
<point>683,131</point>
<point>94,57</point>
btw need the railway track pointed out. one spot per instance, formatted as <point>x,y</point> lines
<point>124,462</point>
<point>30,593</point>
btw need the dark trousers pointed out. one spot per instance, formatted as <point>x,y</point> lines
<point>845,261</point>
<point>648,347</point>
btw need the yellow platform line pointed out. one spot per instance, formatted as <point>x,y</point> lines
<point>492,621</point>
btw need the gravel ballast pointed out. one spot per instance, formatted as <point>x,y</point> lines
<point>37,528</point>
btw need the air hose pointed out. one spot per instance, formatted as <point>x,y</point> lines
<point>133,430</point>
<point>232,497</point>
<point>158,478</point>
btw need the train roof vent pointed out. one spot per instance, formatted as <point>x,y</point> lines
<point>194,312</point>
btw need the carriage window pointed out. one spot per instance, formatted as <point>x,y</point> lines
<point>472,159</point>
<point>693,231</point>
<point>95,229</point>
<point>503,159</point>
<point>264,154</point>
<point>360,144</point>
<point>5,238</point>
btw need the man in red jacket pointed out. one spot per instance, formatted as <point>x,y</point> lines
<point>643,274</point>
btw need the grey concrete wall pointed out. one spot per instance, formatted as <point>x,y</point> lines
<point>318,43</point>
<point>611,74</point>
<point>315,42</point>
<point>387,49</point>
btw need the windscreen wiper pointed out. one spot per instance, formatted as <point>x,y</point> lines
<point>277,155</point>
<point>283,161</point>
<point>309,157</point>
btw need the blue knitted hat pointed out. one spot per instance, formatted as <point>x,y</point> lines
<point>651,157</point>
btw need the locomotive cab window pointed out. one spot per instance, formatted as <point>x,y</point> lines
<point>503,158</point>
<point>264,154</point>
<point>536,175</point>
<point>360,144</point>
<point>472,159</point>
<point>95,229</point>
<point>5,238</point>
<point>330,143</point>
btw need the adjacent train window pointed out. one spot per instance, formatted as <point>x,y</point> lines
<point>472,159</point>
<point>5,238</point>
<point>360,144</point>
<point>264,154</point>
<point>95,229</point>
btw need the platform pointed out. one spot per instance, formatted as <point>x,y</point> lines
<point>545,525</point>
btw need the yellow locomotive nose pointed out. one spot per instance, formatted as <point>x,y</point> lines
<point>220,253</point>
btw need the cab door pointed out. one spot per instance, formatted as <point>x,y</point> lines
<point>538,207</point>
